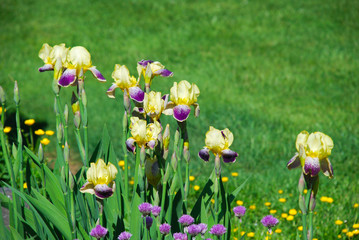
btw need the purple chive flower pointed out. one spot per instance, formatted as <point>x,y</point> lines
<point>124,236</point>
<point>165,228</point>
<point>186,220</point>
<point>149,222</point>
<point>203,227</point>
<point>98,232</point>
<point>218,230</point>
<point>156,211</point>
<point>180,236</point>
<point>194,230</point>
<point>269,221</point>
<point>239,211</point>
<point>145,208</point>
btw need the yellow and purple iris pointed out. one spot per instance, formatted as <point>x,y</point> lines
<point>78,58</point>
<point>312,154</point>
<point>218,142</point>
<point>125,82</point>
<point>149,69</point>
<point>154,104</point>
<point>143,134</point>
<point>183,96</point>
<point>53,57</point>
<point>100,179</point>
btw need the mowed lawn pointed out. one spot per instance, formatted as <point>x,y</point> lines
<point>266,70</point>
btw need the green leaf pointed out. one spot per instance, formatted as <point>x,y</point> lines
<point>136,220</point>
<point>234,194</point>
<point>206,195</point>
<point>54,215</point>
<point>54,190</point>
<point>14,234</point>
<point>33,156</point>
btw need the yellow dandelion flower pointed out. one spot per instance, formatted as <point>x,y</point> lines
<point>121,163</point>
<point>224,179</point>
<point>234,238</point>
<point>7,129</point>
<point>252,207</point>
<point>323,199</point>
<point>0,110</point>
<point>267,204</point>
<point>284,215</point>
<point>250,234</point>
<point>282,200</point>
<point>293,212</point>
<point>345,230</point>
<point>339,236</point>
<point>290,218</point>
<point>356,232</point>
<point>272,211</point>
<point>45,141</point>
<point>350,234</point>
<point>24,185</point>
<point>49,132</point>
<point>356,225</point>
<point>315,239</point>
<point>356,205</point>
<point>39,132</point>
<point>242,233</point>
<point>280,191</point>
<point>196,187</point>
<point>212,201</point>
<point>235,229</point>
<point>239,202</point>
<point>192,178</point>
<point>330,200</point>
<point>305,191</point>
<point>278,230</point>
<point>338,222</point>
<point>132,182</point>
<point>300,228</point>
<point>29,122</point>
<point>234,174</point>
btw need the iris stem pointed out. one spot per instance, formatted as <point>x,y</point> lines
<point>124,148</point>
<point>137,166</point>
<point>163,199</point>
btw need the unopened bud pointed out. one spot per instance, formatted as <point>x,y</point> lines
<point>2,96</point>
<point>72,181</point>
<point>312,202</point>
<point>302,206</point>
<point>77,119</point>
<point>177,135</point>
<point>301,184</point>
<point>66,152</point>
<point>84,97</point>
<point>66,113</point>
<point>217,165</point>
<point>174,162</point>
<point>126,101</point>
<point>168,173</point>
<point>14,150</point>
<point>59,132</point>
<point>124,121</point>
<point>16,94</point>
<point>40,153</point>
<point>55,87</point>
<point>186,153</point>
<point>148,74</point>
<point>166,137</point>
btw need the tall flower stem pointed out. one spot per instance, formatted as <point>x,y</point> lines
<point>179,150</point>
<point>186,156</point>
<point>124,148</point>
<point>217,166</point>
<point>137,168</point>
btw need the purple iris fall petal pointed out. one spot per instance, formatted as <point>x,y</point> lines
<point>326,167</point>
<point>124,236</point>
<point>311,166</point>
<point>181,112</point>
<point>111,91</point>
<point>165,228</point>
<point>229,156</point>
<point>46,67</point>
<point>218,230</point>
<point>98,232</point>
<point>204,154</point>
<point>103,191</point>
<point>130,145</point>
<point>164,73</point>
<point>97,74</point>
<point>67,78</point>
<point>151,144</point>
<point>144,63</point>
<point>294,162</point>
<point>136,94</point>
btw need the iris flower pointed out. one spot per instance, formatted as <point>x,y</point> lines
<point>145,135</point>
<point>218,142</point>
<point>53,57</point>
<point>125,81</point>
<point>312,154</point>
<point>149,69</point>
<point>183,96</point>
<point>78,58</point>
<point>154,104</point>
<point>100,179</point>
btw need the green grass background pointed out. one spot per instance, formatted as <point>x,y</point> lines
<point>266,70</point>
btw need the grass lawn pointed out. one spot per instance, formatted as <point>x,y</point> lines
<point>266,70</point>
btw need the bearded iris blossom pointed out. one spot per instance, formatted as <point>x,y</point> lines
<point>125,82</point>
<point>183,96</point>
<point>154,104</point>
<point>145,135</point>
<point>100,179</point>
<point>218,142</point>
<point>312,154</point>
<point>53,57</point>
<point>149,69</point>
